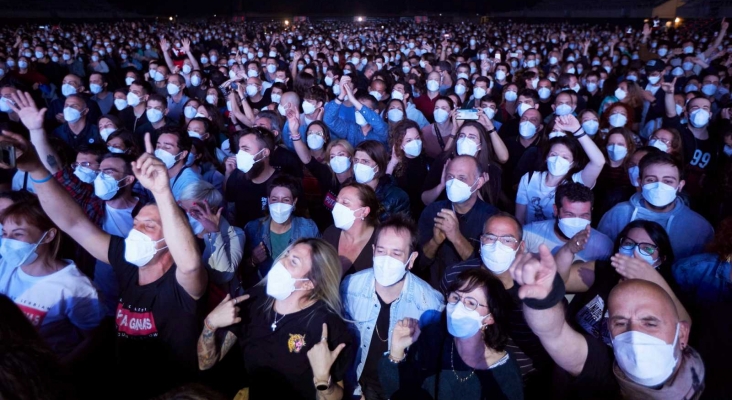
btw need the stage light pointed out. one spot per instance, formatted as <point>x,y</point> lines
<point>677,20</point>
<point>287,22</point>
<point>360,19</point>
<point>170,18</point>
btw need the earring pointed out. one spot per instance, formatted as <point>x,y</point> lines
<point>361,218</point>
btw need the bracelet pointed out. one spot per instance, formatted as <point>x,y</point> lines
<point>44,180</point>
<point>321,386</point>
<point>205,323</point>
<point>491,131</point>
<point>554,297</point>
<point>575,132</point>
<point>397,360</point>
<point>579,136</point>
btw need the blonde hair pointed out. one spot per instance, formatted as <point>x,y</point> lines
<point>325,274</point>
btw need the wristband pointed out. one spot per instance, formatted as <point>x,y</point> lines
<point>44,180</point>
<point>295,138</point>
<point>575,132</point>
<point>491,131</point>
<point>322,386</point>
<point>554,297</point>
<point>579,136</point>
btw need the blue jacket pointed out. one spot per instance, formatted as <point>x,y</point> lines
<point>688,231</point>
<point>351,131</point>
<point>418,300</point>
<point>257,231</point>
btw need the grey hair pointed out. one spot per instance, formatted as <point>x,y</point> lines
<point>202,191</point>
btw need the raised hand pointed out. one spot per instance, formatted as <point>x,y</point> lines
<point>567,123</point>
<point>150,171</point>
<point>259,254</point>
<point>448,223</point>
<point>406,332</point>
<point>164,45</point>
<point>26,108</point>
<point>536,277</point>
<point>186,45</point>
<point>668,87</point>
<point>226,313</point>
<point>634,268</point>
<point>202,213</point>
<point>230,164</point>
<point>322,358</point>
<point>578,242</point>
<point>293,119</point>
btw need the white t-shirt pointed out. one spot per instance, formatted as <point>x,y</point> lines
<point>117,222</point>
<point>19,179</point>
<point>599,247</point>
<point>59,305</point>
<point>538,197</point>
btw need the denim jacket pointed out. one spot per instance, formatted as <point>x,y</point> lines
<point>257,231</point>
<point>418,300</point>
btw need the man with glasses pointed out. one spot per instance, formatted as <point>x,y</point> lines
<point>500,243</point>
<point>573,208</point>
<point>383,295</point>
<point>660,180</point>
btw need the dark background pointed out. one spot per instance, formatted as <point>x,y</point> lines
<point>204,8</point>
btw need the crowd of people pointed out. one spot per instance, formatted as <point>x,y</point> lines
<point>365,211</point>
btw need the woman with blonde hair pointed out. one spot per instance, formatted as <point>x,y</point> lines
<point>290,328</point>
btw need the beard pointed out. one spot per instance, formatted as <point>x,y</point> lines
<point>256,170</point>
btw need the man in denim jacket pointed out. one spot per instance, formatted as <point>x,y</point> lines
<point>376,298</point>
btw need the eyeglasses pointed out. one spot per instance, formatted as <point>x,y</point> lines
<point>84,164</point>
<point>469,302</point>
<point>664,141</point>
<point>319,133</point>
<point>488,238</point>
<point>647,249</point>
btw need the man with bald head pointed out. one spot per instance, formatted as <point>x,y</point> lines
<point>650,357</point>
<point>72,84</point>
<point>289,100</point>
<point>447,228</point>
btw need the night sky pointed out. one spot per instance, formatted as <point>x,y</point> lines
<point>315,7</point>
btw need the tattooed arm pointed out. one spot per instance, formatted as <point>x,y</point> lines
<point>225,314</point>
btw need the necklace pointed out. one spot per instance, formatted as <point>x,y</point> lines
<point>452,365</point>
<point>379,336</point>
<point>274,324</point>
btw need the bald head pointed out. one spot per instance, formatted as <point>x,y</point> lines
<point>290,98</point>
<point>640,305</point>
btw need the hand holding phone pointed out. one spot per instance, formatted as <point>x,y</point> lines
<point>469,114</point>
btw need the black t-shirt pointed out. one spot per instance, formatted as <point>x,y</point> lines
<point>286,162</point>
<point>276,361</point>
<point>586,312</point>
<point>158,325</point>
<point>700,156</point>
<point>264,102</point>
<point>411,181</point>
<point>249,198</point>
<point>364,260</point>
<point>379,346</point>
<point>596,381</point>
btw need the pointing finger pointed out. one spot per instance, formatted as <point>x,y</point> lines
<point>325,331</point>
<point>148,144</point>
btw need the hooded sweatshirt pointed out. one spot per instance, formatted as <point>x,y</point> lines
<point>688,231</point>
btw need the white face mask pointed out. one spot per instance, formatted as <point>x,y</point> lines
<point>699,118</point>
<point>168,159</point>
<point>245,161</point>
<point>618,120</point>
<point>558,166</point>
<point>104,133</point>
<point>154,115</point>
<point>563,109</point>
<point>120,104</point>
<point>363,173</point>
<point>315,142</point>
<point>85,174</point>
<point>620,94</point>
<point>659,194</point>
<point>461,322</point>
<point>433,85</point>
<point>527,130</point>
<point>173,89</point>
<point>466,146</point>
<point>395,115</point>
<point>360,120</point>
<point>139,248</point>
<point>340,164</point>
<point>658,144</point>
<point>133,99</point>
<point>71,115</point>
<point>17,253</point>
<point>395,94</point>
<point>105,186</point>
<point>211,99</point>
<point>460,89</point>
<point>522,108</point>
<point>343,217</point>
<point>458,191</point>
<point>67,90</point>
<point>497,256</point>
<point>307,107</point>
<point>590,127</point>
<point>572,226</point>
<point>280,283</point>
<point>389,270</point>
<point>616,152</point>
<point>645,359</point>
<point>510,96</point>
<point>413,148</point>
<point>544,93</point>
<point>280,212</point>
<point>489,112</point>
<point>634,174</point>
<point>478,93</point>
<point>440,115</point>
